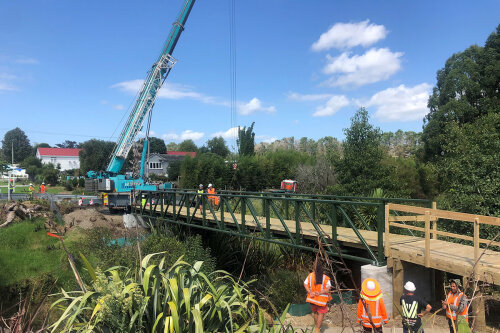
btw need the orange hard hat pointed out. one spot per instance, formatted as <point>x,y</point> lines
<point>370,289</point>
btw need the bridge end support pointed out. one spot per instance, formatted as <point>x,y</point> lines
<point>397,284</point>
<point>384,276</point>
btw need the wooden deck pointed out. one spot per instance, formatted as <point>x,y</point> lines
<point>445,256</point>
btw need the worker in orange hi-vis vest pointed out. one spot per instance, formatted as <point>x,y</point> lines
<point>43,188</point>
<point>318,294</point>
<point>213,199</point>
<point>371,307</point>
<point>456,308</point>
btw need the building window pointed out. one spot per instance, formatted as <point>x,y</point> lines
<point>53,160</point>
<point>155,165</point>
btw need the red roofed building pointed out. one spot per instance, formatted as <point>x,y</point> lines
<point>67,158</point>
<point>182,153</point>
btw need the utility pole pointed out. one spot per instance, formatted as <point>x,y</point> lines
<point>8,185</point>
<point>12,150</point>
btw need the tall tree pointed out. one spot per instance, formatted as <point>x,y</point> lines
<point>157,145</point>
<point>360,170</point>
<point>246,140</point>
<point>39,145</point>
<point>461,133</point>
<point>95,155</point>
<point>18,140</point>
<point>172,146</point>
<point>218,146</point>
<point>68,144</point>
<point>187,145</point>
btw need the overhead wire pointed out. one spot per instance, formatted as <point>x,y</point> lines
<point>232,68</point>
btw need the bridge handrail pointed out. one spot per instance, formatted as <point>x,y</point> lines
<point>315,211</point>
<point>327,196</point>
<point>257,195</point>
<point>429,215</point>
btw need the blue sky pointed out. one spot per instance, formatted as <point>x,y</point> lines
<point>71,69</point>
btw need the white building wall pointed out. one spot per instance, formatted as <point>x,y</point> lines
<point>66,162</point>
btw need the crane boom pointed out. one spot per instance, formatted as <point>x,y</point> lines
<point>149,91</point>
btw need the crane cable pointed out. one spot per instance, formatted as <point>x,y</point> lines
<point>232,68</point>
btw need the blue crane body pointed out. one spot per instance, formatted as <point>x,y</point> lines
<point>117,186</point>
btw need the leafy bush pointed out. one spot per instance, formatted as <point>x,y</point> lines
<point>179,298</point>
<point>191,249</point>
<point>285,287</point>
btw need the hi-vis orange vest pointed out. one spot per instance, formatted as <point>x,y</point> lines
<point>377,312</point>
<point>454,299</point>
<point>324,296</point>
<point>213,198</point>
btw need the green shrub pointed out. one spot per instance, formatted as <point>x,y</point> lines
<point>285,287</point>
<point>191,249</point>
<point>177,298</point>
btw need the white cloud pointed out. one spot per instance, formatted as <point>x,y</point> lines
<point>348,35</point>
<point>373,66</point>
<point>255,105</point>
<point>27,61</point>
<point>6,82</point>
<point>265,138</point>
<point>308,97</point>
<point>169,91</point>
<point>185,135</point>
<point>401,103</point>
<point>334,104</point>
<point>178,91</point>
<point>229,134</point>
<point>118,107</point>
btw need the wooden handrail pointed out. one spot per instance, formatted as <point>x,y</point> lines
<point>445,214</point>
<point>428,215</point>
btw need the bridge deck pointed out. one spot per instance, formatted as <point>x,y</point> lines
<point>446,256</point>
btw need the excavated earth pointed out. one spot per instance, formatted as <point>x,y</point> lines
<point>90,218</point>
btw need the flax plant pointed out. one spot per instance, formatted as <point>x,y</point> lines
<point>179,298</point>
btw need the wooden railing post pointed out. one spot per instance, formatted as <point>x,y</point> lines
<point>427,257</point>
<point>434,224</point>
<point>476,245</point>
<point>387,232</point>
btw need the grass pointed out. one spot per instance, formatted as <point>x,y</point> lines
<point>27,253</point>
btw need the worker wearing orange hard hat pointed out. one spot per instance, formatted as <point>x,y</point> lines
<point>371,307</point>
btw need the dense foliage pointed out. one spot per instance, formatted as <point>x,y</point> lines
<point>16,141</point>
<point>163,298</point>
<point>461,133</point>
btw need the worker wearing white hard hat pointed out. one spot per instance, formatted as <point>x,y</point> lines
<point>211,195</point>
<point>199,197</point>
<point>412,309</point>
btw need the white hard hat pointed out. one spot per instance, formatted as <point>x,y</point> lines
<point>31,184</point>
<point>201,185</point>
<point>409,286</point>
<point>43,183</point>
<point>209,185</point>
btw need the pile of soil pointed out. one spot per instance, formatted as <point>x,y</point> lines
<point>90,218</point>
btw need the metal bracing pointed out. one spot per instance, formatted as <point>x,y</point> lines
<point>299,221</point>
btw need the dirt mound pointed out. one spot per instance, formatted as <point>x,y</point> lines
<point>90,218</point>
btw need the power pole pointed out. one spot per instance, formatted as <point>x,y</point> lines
<point>12,150</point>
